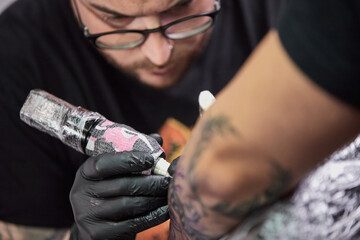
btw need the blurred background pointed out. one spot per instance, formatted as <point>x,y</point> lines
<point>4,4</point>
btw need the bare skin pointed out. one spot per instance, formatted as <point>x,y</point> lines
<point>268,128</point>
<point>9,231</point>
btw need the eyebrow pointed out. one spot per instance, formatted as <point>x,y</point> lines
<point>106,10</point>
<point>179,3</point>
<point>118,14</point>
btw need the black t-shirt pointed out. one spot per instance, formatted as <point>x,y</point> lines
<point>42,47</point>
<point>323,39</point>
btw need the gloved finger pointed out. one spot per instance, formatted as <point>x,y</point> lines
<point>105,230</point>
<point>124,230</point>
<point>152,219</point>
<point>74,232</point>
<point>113,164</point>
<point>158,138</point>
<point>123,208</point>
<point>153,185</point>
<point>172,167</point>
<point>160,141</point>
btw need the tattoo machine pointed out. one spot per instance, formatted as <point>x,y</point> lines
<point>86,131</point>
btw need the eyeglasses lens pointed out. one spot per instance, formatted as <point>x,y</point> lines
<point>180,30</point>
<point>189,28</point>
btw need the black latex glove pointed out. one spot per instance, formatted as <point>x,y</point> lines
<point>172,167</point>
<point>110,202</point>
<point>157,137</point>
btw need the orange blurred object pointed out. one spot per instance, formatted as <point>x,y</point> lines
<point>160,232</point>
<point>175,135</point>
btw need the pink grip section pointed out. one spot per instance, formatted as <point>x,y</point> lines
<point>120,141</point>
<point>113,137</point>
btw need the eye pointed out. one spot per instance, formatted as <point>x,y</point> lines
<point>117,21</point>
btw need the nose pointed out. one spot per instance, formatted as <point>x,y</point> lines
<point>156,48</point>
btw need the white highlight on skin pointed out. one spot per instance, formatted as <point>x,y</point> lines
<point>206,99</point>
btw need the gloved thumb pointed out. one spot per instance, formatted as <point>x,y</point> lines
<point>172,167</point>
<point>158,138</point>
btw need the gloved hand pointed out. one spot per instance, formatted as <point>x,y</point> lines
<point>109,201</point>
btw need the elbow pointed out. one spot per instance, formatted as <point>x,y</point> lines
<point>239,178</point>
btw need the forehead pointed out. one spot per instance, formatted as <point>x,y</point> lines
<point>135,7</point>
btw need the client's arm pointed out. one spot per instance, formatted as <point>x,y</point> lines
<point>268,128</point>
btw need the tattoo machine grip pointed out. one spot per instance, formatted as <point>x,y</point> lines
<point>86,131</point>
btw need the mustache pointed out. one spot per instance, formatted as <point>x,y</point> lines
<point>146,64</point>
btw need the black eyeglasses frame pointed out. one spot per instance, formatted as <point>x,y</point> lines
<point>93,37</point>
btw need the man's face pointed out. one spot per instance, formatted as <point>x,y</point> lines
<point>159,62</point>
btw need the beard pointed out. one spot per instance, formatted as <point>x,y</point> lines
<point>182,57</point>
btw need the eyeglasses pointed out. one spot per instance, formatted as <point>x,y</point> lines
<point>126,39</point>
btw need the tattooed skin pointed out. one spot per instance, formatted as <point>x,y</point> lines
<point>181,221</point>
<point>190,214</point>
<point>9,231</point>
<point>280,181</point>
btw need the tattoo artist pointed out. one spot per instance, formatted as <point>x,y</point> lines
<point>266,131</point>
